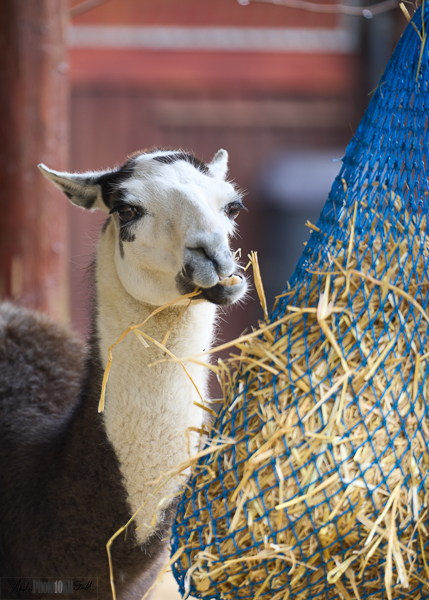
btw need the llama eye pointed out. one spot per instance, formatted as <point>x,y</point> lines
<point>126,214</point>
<point>232,210</point>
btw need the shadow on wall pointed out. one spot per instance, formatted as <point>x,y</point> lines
<point>293,188</point>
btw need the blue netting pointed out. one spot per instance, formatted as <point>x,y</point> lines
<point>328,410</point>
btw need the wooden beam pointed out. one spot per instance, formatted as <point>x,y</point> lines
<point>33,129</point>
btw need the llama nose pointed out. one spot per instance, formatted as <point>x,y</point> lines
<point>211,251</point>
<point>221,259</point>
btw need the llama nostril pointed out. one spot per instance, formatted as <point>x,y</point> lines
<point>214,261</point>
<point>202,251</point>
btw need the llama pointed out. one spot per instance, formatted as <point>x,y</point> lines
<point>72,477</point>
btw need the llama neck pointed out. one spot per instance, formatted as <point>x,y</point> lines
<point>149,410</point>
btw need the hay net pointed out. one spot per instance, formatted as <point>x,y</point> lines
<point>320,488</point>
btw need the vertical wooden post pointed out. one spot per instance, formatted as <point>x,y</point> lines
<point>33,129</point>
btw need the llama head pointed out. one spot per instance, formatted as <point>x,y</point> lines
<point>170,220</point>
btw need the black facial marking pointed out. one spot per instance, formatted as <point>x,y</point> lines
<point>121,248</point>
<point>105,225</point>
<point>109,183</point>
<point>187,156</point>
<point>183,284</point>
<point>69,196</point>
<point>119,198</point>
<point>125,234</point>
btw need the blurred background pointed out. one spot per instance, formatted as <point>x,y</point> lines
<point>83,83</point>
<point>282,86</point>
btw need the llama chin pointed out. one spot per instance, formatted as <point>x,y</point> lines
<point>170,218</point>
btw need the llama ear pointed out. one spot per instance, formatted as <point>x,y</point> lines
<point>218,167</point>
<point>84,190</point>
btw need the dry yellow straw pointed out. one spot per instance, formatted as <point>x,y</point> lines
<point>356,476</point>
<point>253,260</point>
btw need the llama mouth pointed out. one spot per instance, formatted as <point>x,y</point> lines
<point>227,291</point>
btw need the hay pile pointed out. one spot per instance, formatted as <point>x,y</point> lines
<point>322,491</point>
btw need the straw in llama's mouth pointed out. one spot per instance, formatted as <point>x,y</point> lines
<point>226,291</point>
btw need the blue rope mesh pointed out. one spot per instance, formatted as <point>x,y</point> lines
<point>347,362</point>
